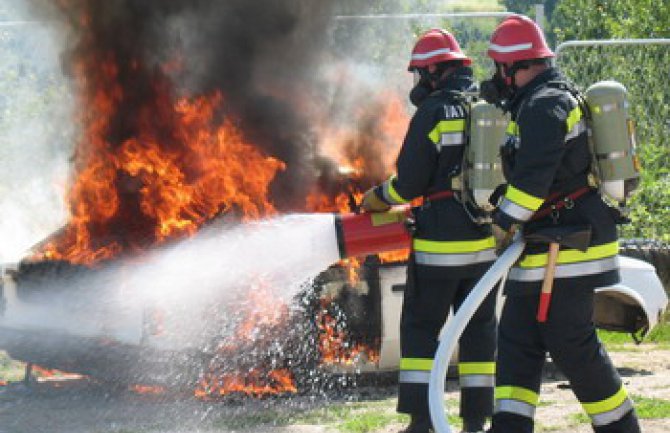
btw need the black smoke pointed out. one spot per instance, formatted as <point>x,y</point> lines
<point>261,55</point>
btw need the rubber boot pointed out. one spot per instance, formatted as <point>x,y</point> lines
<point>473,425</point>
<point>419,424</point>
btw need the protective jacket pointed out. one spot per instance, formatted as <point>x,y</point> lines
<point>546,159</point>
<point>446,240</point>
<point>450,253</point>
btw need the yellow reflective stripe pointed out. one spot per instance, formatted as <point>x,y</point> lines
<point>444,126</point>
<point>574,117</point>
<point>524,199</point>
<point>572,256</point>
<point>397,198</point>
<point>476,368</point>
<point>516,393</point>
<point>512,128</point>
<point>427,246</point>
<point>606,405</point>
<point>421,364</point>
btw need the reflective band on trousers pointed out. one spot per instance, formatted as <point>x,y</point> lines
<point>609,410</point>
<point>442,259</point>
<point>410,376</point>
<point>477,374</point>
<point>477,381</point>
<point>390,194</point>
<point>516,407</point>
<point>513,399</point>
<point>565,271</point>
<point>415,370</point>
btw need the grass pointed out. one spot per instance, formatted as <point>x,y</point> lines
<point>619,341</point>
<point>355,417</point>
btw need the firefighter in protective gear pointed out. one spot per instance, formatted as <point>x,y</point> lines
<point>546,161</point>
<point>449,251</point>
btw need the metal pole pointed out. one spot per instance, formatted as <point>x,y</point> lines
<point>595,42</point>
<point>539,15</point>
<point>419,16</point>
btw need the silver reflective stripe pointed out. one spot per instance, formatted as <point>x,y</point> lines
<point>491,122</point>
<point>428,55</point>
<point>451,139</point>
<point>577,129</point>
<point>517,212</point>
<point>515,406</point>
<point>565,270</point>
<point>486,166</point>
<point>438,259</point>
<point>612,155</point>
<point>477,381</point>
<point>414,376</point>
<point>613,415</point>
<point>510,48</point>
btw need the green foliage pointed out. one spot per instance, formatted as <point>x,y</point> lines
<point>639,68</point>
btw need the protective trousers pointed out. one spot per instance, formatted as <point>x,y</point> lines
<point>569,337</point>
<point>426,305</point>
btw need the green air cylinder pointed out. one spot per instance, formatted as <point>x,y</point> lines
<point>613,139</point>
<point>484,169</point>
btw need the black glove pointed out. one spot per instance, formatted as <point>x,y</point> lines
<point>502,220</point>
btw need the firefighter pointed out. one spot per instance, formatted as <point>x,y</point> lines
<point>449,251</point>
<point>546,160</point>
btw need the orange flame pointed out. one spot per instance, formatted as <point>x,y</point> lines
<point>335,344</point>
<point>183,168</point>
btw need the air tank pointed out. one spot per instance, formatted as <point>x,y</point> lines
<point>484,172</point>
<point>613,141</point>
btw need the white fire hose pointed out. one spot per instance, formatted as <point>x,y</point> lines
<point>454,328</point>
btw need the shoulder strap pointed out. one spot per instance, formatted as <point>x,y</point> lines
<point>575,92</point>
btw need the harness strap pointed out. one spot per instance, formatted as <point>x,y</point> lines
<point>554,202</point>
<point>440,195</point>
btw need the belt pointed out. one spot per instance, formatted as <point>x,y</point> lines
<point>440,195</point>
<point>554,202</point>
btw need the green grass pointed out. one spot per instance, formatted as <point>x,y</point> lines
<point>354,417</point>
<point>659,336</point>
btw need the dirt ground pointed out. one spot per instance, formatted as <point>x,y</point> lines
<point>82,406</point>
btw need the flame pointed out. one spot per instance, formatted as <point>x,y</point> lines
<point>335,344</point>
<point>180,169</point>
<point>254,382</point>
<point>264,312</point>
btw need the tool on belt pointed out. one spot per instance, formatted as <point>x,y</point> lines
<point>576,237</point>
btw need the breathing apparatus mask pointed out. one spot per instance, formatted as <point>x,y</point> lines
<point>498,90</point>
<point>426,82</point>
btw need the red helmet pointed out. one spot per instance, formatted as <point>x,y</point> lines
<point>436,46</point>
<point>518,38</point>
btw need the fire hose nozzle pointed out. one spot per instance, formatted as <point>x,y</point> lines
<point>373,233</point>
